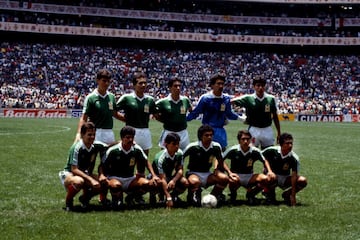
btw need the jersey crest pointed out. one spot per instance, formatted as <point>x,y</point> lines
<point>111,107</point>
<point>222,107</point>
<point>182,110</point>
<point>146,108</point>
<point>267,108</point>
<point>132,161</point>
<point>286,167</point>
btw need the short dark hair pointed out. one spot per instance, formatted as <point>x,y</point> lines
<point>127,130</point>
<point>103,73</point>
<point>202,129</point>
<point>215,77</point>
<point>136,76</point>
<point>285,136</point>
<point>86,126</point>
<point>172,80</point>
<point>243,132</point>
<point>259,79</point>
<point>172,138</point>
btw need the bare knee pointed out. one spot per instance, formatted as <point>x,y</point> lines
<point>114,184</point>
<point>302,182</point>
<point>194,182</point>
<point>77,181</point>
<point>185,184</point>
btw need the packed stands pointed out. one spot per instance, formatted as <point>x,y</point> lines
<point>59,76</point>
<point>224,21</point>
<point>57,72</point>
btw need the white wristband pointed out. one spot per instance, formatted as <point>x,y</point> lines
<point>169,199</point>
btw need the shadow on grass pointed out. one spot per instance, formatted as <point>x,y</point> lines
<point>183,205</point>
<point>125,207</point>
<point>261,202</point>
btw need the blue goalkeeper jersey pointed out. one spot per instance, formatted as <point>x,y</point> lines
<point>215,110</point>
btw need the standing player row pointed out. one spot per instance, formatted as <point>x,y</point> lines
<point>175,110</point>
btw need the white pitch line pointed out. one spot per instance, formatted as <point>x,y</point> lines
<point>64,129</point>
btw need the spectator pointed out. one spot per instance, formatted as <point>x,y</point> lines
<point>300,83</point>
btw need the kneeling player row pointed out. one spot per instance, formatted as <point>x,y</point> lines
<point>116,172</point>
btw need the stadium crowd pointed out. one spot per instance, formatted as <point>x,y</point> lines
<point>59,76</point>
<point>239,8</point>
<point>303,13</point>
<point>193,27</point>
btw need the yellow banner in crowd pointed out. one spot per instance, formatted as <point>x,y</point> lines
<point>286,117</point>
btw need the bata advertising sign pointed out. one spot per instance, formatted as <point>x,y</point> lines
<point>34,113</point>
<point>76,113</point>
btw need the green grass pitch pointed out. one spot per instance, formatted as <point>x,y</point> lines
<point>32,198</point>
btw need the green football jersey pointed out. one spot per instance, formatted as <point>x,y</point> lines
<point>259,112</point>
<point>137,111</point>
<point>120,163</point>
<point>165,164</point>
<point>173,114</point>
<point>243,162</point>
<point>201,159</point>
<point>280,164</point>
<point>83,157</point>
<point>100,109</point>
